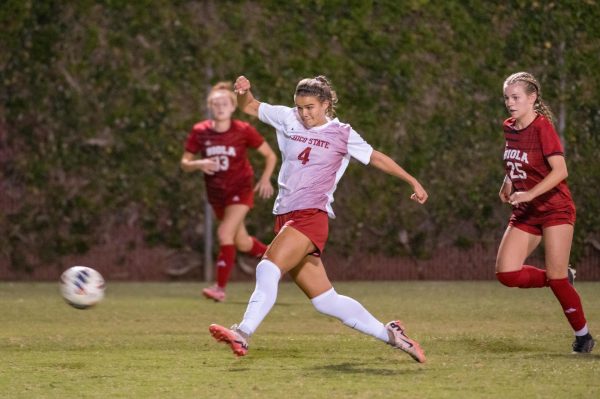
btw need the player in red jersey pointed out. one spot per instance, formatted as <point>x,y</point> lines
<point>222,143</point>
<point>535,186</point>
<point>316,149</point>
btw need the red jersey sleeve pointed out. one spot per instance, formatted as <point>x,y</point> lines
<point>191,143</point>
<point>253,137</point>
<point>551,144</point>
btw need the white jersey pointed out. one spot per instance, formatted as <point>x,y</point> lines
<point>313,160</point>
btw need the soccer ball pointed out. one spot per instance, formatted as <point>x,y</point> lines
<point>82,286</point>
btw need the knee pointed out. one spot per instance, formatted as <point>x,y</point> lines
<point>509,279</point>
<point>225,235</point>
<point>325,301</point>
<point>244,243</point>
<point>556,273</point>
<point>268,271</point>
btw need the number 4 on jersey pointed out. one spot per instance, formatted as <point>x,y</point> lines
<point>303,156</point>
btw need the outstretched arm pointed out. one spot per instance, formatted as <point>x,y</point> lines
<point>246,100</point>
<point>389,166</point>
<point>264,186</point>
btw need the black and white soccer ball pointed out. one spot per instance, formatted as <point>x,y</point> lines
<point>82,286</point>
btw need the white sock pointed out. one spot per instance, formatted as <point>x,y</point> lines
<point>351,313</point>
<point>263,298</point>
<point>583,331</point>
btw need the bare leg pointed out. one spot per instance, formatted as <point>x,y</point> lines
<point>515,247</point>
<point>311,277</point>
<point>243,241</point>
<point>287,249</point>
<point>557,247</point>
<point>229,227</point>
<point>233,219</point>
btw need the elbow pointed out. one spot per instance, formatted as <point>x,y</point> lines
<point>377,160</point>
<point>269,154</point>
<point>374,160</point>
<point>563,174</point>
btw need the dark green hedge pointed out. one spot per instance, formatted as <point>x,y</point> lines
<point>97,98</point>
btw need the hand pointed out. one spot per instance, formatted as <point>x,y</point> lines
<point>519,197</point>
<point>420,195</point>
<point>264,188</point>
<point>505,192</point>
<point>208,165</point>
<point>241,85</point>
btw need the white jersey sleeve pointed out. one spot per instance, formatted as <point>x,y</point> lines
<point>274,115</point>
<point>358,148</point>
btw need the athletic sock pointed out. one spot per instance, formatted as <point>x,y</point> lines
<point>263,298</point>
<point>225,262</point>
<point>527,277</point>
<point>570,301</point>
<point>258,248</point>
<point>351,313</point>
<point>584,331</point>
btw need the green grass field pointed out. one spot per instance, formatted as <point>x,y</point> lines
<point>150,340</point>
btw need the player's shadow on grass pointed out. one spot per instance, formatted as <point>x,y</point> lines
<point>494,345</point>
<point>504,346</point>
<point>355,368</point>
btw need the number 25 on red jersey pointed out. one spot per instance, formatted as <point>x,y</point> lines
<point>515,170</point>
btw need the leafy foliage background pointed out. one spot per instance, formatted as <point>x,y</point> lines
<point>97,97</point>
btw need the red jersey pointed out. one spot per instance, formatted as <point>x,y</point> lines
<point>526,164</point>
<point>230,150</point>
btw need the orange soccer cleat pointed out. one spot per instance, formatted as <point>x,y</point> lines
<point>231,337</point>
<point>399,340</point>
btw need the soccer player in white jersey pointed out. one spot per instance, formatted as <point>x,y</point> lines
<point>316,148</point>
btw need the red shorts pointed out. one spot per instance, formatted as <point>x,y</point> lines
<point>242,198</point>
<point>536,223</point>
<point>313,223</point>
